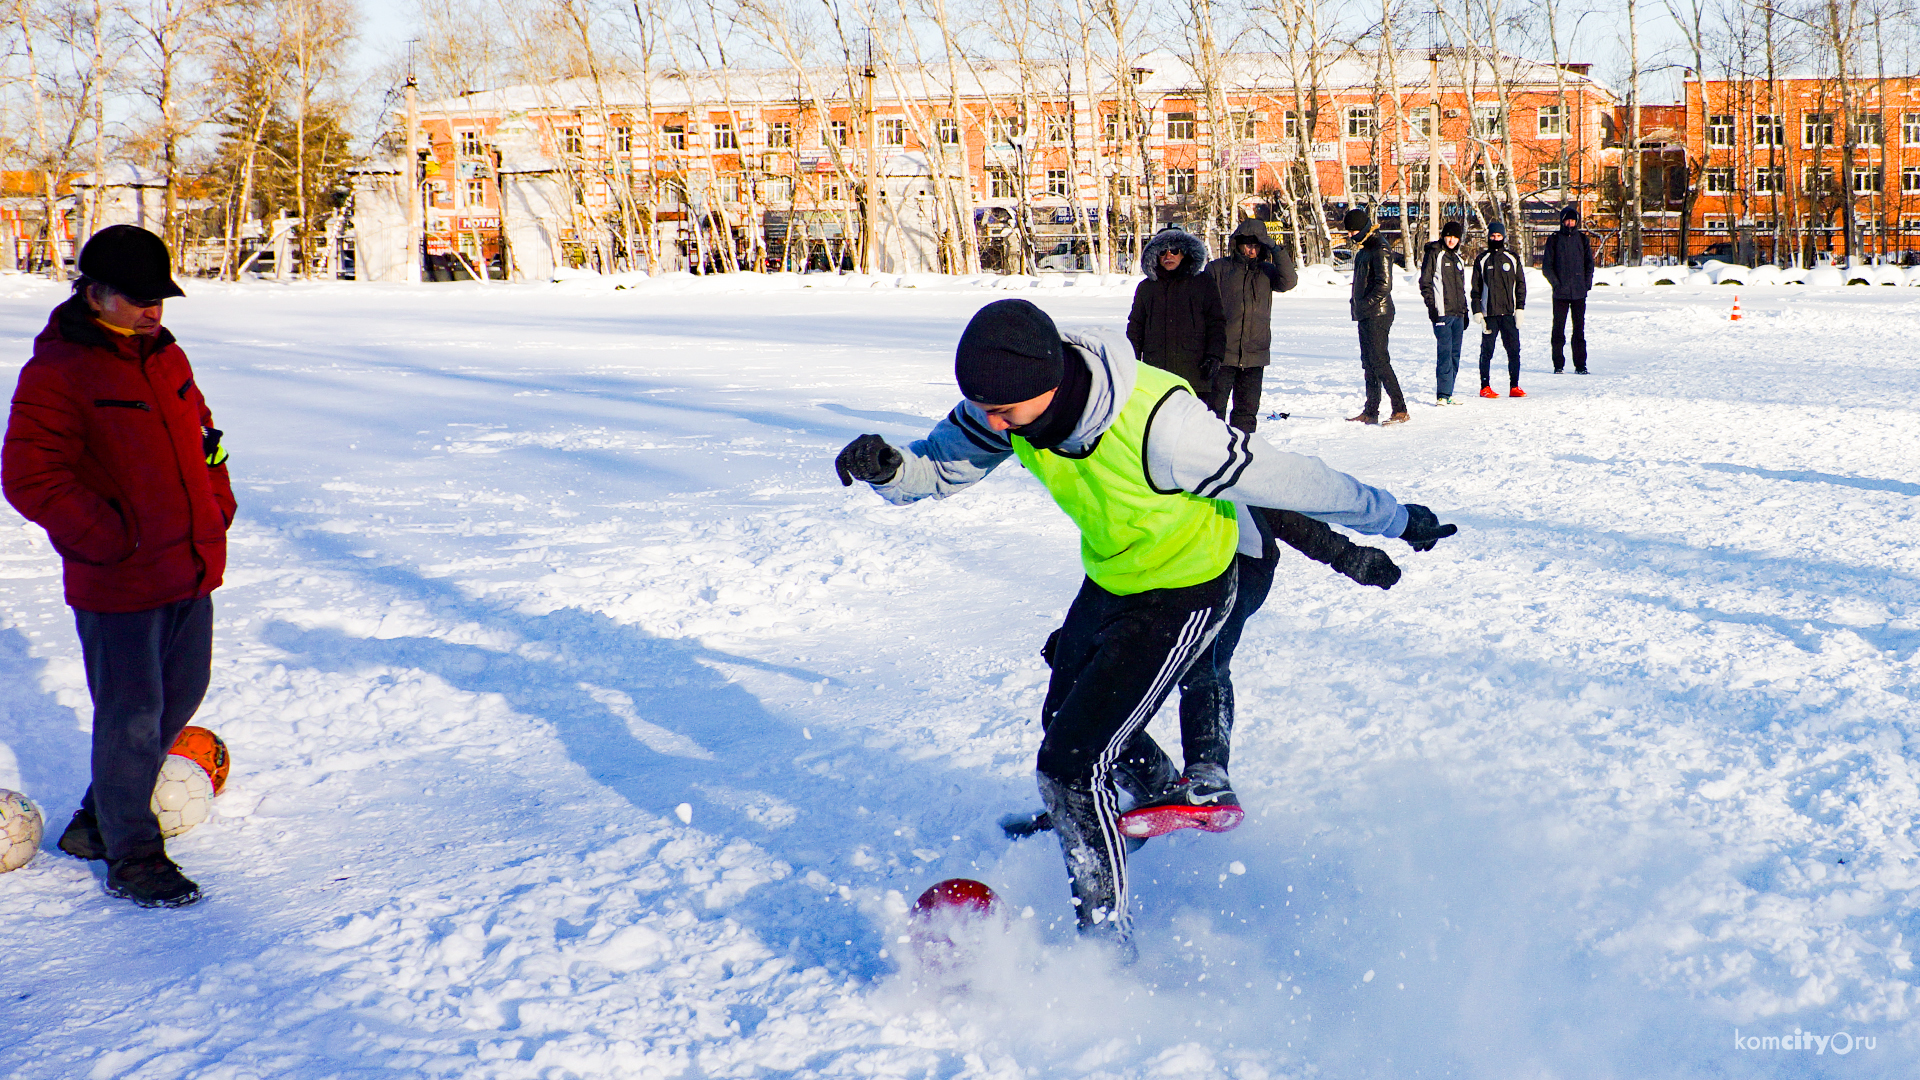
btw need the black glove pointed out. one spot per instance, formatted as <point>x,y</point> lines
<point>867,458</point>
<point>1368,566</point>
<point>1424,529</point>
<point>1208,369</point>
<point>1273,274</point>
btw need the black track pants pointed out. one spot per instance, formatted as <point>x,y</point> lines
<point>1505,330</point>
<point>1377,363</point>
<point>147,672</point>
<point>1206,690</point>
<point>1241,386</point>
<point>1561,309</point>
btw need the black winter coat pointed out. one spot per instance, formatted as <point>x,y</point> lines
<point>1177,323</point>
<point>1568,264</point>
<point>1246,294</point>
<point>1499,282</point>
<point>1443,281</point>
<point>1372,282</point>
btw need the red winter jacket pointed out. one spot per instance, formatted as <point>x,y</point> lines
<point>105,450</point>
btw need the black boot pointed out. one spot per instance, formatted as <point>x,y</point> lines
<point>150,881</point>
<point>1096,865</point>
<point>82,839</point>
<point>1144,772</point>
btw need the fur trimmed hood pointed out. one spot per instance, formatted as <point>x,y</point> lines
<point>1173,238</point>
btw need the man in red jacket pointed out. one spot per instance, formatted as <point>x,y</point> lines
<point>111,449</point>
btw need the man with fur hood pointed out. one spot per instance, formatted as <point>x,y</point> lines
<point>1176,323</point>
<point>1160,489</point>
<point>1248,278</point>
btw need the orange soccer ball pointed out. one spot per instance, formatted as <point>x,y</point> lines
<point>204,748</point>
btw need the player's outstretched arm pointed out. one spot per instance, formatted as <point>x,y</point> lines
<point>959,452</point>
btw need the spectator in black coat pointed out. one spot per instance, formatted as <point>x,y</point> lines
<point>1247,278</point>
<point>1177,323</point>
<point>1371,306</point>
<point>1568,265</point>
<point>1443,285</point>
<point>1499,299</point>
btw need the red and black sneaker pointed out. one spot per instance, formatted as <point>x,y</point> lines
<point>1200,799</point>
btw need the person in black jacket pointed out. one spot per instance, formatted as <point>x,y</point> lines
<point>1177,323</point>
<point>1568,265</point>
<point>1371,306</point>
<point>1443,285</point>
<point>1247,278</point>
<point>1499,300</point>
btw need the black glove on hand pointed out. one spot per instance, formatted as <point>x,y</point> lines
<point>867,458</point>
<point>1272,272</point>
<point>1368,566</point>
<point>1424,529</point>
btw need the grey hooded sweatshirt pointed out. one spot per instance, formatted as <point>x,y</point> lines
<point>1187,449</point>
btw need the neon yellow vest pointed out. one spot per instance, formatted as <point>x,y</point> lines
<point>1132,537</point>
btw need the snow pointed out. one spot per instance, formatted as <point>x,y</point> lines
<point>584,726</point>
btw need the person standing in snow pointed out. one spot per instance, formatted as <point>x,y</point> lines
<point>1247,280</point>
<point>1499,298</point>
<point>1159,488</point>
<point>1176,323</point>
<point>1371,306</point>
<point>111,448</point>
<point>1443,285</point>
<point>1568,266</point>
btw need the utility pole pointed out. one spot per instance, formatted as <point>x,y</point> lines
<point>412,171</point>
<point>1433,129</point>
<point>869,216</point>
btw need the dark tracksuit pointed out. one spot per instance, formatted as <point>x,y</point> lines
<point>1443,286</point>
<point>1499,290</point>
<point>1568,264</point>
<point>1371,306</point>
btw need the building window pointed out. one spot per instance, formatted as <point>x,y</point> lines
<point>1485,179</point>
<point>1420,121</point>
<point>1240,125</point>
<point>1180,126</point>
<point>1058,185</point>
<point>780,133</point>
<point>837,131</point>
<point>1719,181</point>
<point>1180,182</point>
<point>1769,131</point>
<point>676,136</point>
<point>673,193</point>
<point>1867,180</point>
<point>1818,181</point>
<point>623,139</point>
<point>1550,177</point>
<point>1359,121</point>
<point>1123,187</point>
<point>729,189</point>
<point>1868,130</point>
<point>1060,127</point>
<point>470,144</point>
<point>946,131</point>
<point>1363,179</point>
<point>1553,122</point>
<point>1001,130</point>
<point>1002,184</point>
<point>724,137</point>
<point>1720,129</point>
<point>1245,185</point>
<point>1910,224</point>
<point>1910,129</point>
<point>777,189</point>
<point>1816,129</point>
<point>1419,175</point>
<point>571,141</point>
<point>1488,123</point>
<point>476,193</point>
<point>1772,181</point>
<point>893,131</point>
<point>1290,125</point>
<point>832,191</point>
<point>1714,224</point>
<point>1910,181</point>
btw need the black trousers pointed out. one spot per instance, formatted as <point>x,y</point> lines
<point>1561,309</point>
<point>1242,386</point>
<point>1506,330</point>
<point>1378,366</point>
<point>147,672</point>
<point>1206,690</point>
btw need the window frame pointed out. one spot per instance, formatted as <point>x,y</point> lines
<point>1557,129</point>
<point>1720,131</point>
<point>779,133</point>
<point>1182,182</point>
<point>1360,121</point>
<point>1183,126</point>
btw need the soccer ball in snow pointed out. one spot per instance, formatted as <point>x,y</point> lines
<point>183,797</point>
<point>21,828</point>
<point>206,750</point>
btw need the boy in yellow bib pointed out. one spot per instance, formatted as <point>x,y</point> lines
<point>1159,487</point>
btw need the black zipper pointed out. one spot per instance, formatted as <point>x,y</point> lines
<point>109,403</point>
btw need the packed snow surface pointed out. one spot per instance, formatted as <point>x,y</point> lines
<point>585,726</point>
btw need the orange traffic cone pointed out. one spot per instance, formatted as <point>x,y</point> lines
<point>1736,308</point>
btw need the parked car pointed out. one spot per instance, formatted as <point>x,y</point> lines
<point>1067,255</point>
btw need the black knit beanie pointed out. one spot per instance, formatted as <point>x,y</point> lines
<point>1451,228</point>
<point>1357,221</point>
<point>1009,353</point>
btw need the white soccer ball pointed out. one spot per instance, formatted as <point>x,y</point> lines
<point>184,796</point>
<point>21,828</point>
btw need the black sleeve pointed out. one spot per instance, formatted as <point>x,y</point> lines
<point>1519,284</point>
<point>1214,314</point>
<point>1586,250</point>
<point>1317,540</point>
<point>1283,259</point>
<point>1473,294</point>
<point>1137,320</point>
<point>1548,257</point>
<point>1429,263</point>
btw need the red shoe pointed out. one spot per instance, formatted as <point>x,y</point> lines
<point>1488,391</point>
<point>1151,821</point>
<point>1515,392</point>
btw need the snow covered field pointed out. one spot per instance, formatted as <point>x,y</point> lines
<point>1616,780</point>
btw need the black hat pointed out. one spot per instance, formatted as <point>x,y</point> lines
<point>1496,227</point>
<point>132,262</point>
<point>1357,221</point>
<point>1570,213</point>
<point>1010,352</point>
<point>1452,228</point>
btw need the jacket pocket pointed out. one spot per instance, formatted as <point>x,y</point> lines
<point>98,552</point>
<point>111,403</point>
